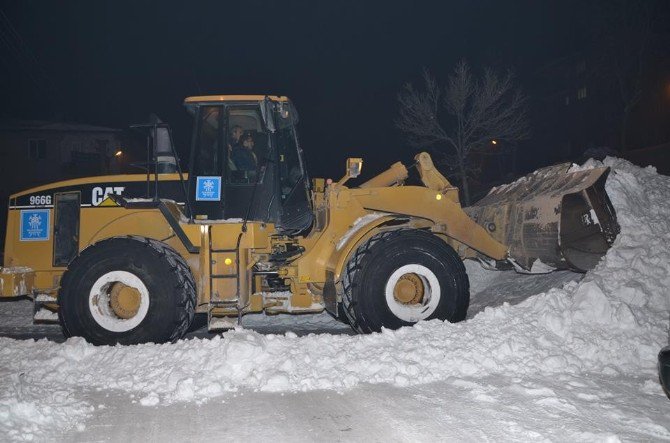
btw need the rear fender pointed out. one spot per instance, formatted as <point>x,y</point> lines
<point>145,223</point>
<point>142,223</point>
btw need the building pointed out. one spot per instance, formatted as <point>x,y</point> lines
<point>571,110</point>
<point>576,109</point>
<point>38,152</point>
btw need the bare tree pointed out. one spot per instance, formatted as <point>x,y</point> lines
<point>463,117</point>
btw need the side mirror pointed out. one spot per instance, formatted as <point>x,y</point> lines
<point>163,150</point>
<point>354,168</point>
<point>163,141</point>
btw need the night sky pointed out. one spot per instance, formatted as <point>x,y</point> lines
<point>342,63</point>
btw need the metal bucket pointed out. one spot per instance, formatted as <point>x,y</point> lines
<point>551,218</point>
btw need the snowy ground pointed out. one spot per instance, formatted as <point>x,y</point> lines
<point>548,357</point>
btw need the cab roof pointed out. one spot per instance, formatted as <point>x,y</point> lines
<point>232,98</point>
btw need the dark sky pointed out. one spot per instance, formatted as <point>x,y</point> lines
<point>342,62</point>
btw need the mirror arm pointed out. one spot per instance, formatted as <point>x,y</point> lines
<point>354,168</point>
<point>344,179</point>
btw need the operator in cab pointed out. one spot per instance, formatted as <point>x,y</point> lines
<point>243,153</point>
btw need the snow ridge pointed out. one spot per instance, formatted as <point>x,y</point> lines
<point>614,322</point>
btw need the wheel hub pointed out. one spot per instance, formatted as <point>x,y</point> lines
<point>409,289</point>
<point>124,300</point>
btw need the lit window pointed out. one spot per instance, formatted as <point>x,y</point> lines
<point>38,149</point>
<point>581,93</point>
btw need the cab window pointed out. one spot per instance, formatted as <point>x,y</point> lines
<point>247,145</point>
<point>208,155</point>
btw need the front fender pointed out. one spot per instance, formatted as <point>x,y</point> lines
<point>367,231</point>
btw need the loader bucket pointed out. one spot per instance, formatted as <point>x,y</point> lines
<point>563,219</point>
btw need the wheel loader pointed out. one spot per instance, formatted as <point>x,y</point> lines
<point>132,258</point>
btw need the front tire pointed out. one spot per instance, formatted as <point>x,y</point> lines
<point>398,278</point>
<point>127,290</point>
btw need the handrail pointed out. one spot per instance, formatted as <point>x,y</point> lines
<point>154,163</point>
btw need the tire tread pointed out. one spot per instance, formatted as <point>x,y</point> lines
<point>351,275</point>
<point>185,289</point>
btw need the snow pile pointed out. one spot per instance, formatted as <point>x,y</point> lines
<point>614,321</point>
<point>27,411</point>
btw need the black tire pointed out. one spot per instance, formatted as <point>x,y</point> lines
<point>342,315</point>
<point>372,265</point>
<point>664,369</point>
<point>199,322</point>
<point>164,273</point>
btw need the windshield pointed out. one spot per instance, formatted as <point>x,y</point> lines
<point>291,168</point>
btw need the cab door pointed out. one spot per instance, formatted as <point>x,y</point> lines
<point>296,210</point>
<point>251,187</point>
<point>66,227</point>
<point>207,157</point>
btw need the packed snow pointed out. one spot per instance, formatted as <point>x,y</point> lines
<point>574,362</point>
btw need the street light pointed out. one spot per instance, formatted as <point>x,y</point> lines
<point>119,153</point>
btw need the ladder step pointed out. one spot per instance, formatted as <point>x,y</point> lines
<point>41,313</point>
<point>217,303</point>
<point>218,251</point>
<point>224,276</point>
<point>221,323</point>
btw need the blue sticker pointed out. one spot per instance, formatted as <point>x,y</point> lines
<point>208,189</point>
<point>35,225</point>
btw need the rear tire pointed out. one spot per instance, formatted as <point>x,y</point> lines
<point>159,306</point>
<point>433,272</point>
<point>664,369</point>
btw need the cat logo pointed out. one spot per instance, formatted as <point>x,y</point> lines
<point>100,196</point>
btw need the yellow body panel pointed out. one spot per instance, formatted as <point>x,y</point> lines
<point>96,223</point>
<point>354,215</point>
<point>98,179</point>
<point>345,219</point>
<point>448,217</point>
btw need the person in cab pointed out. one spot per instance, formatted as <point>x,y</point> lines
<point>243,154</point>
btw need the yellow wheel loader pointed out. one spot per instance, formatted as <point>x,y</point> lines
<point>132,258</point>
